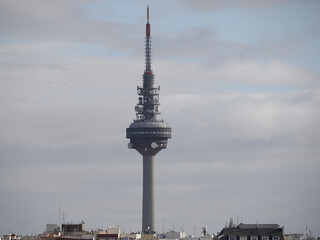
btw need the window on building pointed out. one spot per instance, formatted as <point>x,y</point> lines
<point>254,238</point>
<point>243,238</point>
<point>276,238</point>
<point>232,238</point>
<point>265,238</point>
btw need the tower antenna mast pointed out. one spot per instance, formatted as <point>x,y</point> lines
<point>148,135</point>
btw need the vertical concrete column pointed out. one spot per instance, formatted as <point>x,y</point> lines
<point>148,203</point>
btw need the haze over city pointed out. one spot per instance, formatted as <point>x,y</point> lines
<point>239,87</point>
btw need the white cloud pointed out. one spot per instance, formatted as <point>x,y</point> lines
<point>204,44</point>
<point>274,72</point>
<point>246,76</point>
<point>264,117</point>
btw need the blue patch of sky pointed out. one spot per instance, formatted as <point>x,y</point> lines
<point>307,55</point>
<point>307,51</point>
<point>277,23</point>
<point>238,24</point>
<point>250,26</point>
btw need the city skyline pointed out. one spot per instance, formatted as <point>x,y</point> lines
<point>244,74</point>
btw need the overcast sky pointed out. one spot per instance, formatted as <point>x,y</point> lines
<point>240,87</point>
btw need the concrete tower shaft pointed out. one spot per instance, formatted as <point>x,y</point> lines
<point>147,134</point>
<point>148,197</point>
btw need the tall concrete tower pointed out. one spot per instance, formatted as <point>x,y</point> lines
<point>148,135</point>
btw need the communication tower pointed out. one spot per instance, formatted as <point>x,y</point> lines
<point>147,134</point>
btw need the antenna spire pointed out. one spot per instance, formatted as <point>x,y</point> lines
<point>148,32</point>
<point>148,44</point>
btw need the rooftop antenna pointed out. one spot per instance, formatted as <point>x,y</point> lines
<point>63,217</point>
<point>59,216</point>
<point>237,219</point>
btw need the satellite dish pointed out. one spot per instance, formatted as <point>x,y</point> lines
<point>154,145</point>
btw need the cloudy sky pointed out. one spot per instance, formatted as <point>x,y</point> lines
<point>240,87</point>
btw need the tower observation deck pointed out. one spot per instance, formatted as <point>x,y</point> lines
<point>147,134</point>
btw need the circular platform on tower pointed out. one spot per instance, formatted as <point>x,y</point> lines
<point>148,134</point>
